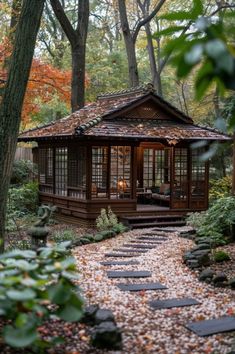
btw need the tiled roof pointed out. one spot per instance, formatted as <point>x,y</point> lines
<point>107,118</point>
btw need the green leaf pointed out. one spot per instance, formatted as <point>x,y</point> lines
<point>168,31</point>
<point>202,23</point>
<point>177,16</point>
<point>226,63</point>
<point>194,55</point>
<point>197,8</point>
<point>215,48</point>
<point>21,295</point>
<point>59,293</point>
<point>20,337</point>
<point>72,311</point>
<point>201,87</point>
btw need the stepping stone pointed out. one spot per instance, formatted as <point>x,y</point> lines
<point>110,263</point>
<point>157,239</point>
<point>129,250</point>
<point>139,246</point>
<point>139,287</point>
<point>128,274</point>
<point>167,304</point>
<point>148,241</point>
<point>209,327</point>
<point>121,255</point>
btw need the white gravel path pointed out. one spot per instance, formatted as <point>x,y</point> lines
<point>147,331</point>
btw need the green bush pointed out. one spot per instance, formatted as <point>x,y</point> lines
<point>22,202</point>
<point>106,220</point>
<point>220,188</point>
<point>65,235</point>
<point>22,171</point>
<point>34,288</point>
<point>216,221</point>
<point>19,244</point>
<point>221,256</point>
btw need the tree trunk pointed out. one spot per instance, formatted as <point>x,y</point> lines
<point>78,78</point>
<point>129,44</point>
<point>156,78</point>
<point>233,177</point>
<point>77,39</point>
<point>13,96</point>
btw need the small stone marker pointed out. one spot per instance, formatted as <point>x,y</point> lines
<point>110,263</point>
<point>139,246</point>
<point>128,274</point>
<point>129,250</point>
<point>209,327</point>
<point>167,304</point>
<point>139,287</point>
<point>120,255</point>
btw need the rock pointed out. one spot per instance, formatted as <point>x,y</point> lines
<point>200,240</point>
<point>89,315</point>
<point>232,283</point>
<point>206,274</point>
<point>202,256</point>
<point>220,279</point>
<point>192,263</point>
<point>106,335</point>
<point>188,256</point>
<point>104,315</point>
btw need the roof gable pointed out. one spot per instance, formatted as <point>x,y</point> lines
<point>148,106</point>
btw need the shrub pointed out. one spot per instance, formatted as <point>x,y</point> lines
<point>22,171</point>
<point>19,244</point>
<point>216,221</point>
<point>221,256</point>
<point>22,201</point>
<point>65,235</point>
<point>32,289</point>
<point>220,188</point>
<point>107,220</point>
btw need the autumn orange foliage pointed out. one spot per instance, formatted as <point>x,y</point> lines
<point>44,83</point>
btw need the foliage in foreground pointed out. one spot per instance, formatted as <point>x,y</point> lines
<point>216,221</point>
<point>34,288</point>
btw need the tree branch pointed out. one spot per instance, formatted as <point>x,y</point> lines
<point>147,19</point>
<point>64,21</point>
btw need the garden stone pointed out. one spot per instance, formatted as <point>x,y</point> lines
<point>202,257</point>
<point>89,315</point>
<point>232,283</point>
<point>188,256</point>
<point>206,275</point>
<point>106,335</point>
<point>104,315</point>
<point>201,246</point>
<point>220,280</point>
<point>192,263</point>
<point>200,240</point>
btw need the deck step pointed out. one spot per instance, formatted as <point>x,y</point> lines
<point>151,217</point>
<point>158,224</point>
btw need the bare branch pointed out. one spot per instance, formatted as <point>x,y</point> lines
<point>147,19</point>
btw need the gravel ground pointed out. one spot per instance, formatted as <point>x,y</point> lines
<point>145,330</point>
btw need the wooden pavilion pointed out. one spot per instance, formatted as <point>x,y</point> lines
<point>129,150</point>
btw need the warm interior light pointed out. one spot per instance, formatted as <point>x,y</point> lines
<point>122,185</point>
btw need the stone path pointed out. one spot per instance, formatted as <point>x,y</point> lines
<point>172,285</point>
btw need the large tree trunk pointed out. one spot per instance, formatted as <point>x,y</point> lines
<point>13,96</point>
<point>77,39</point>
<point>156,78</point>
<point>129,44</point>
